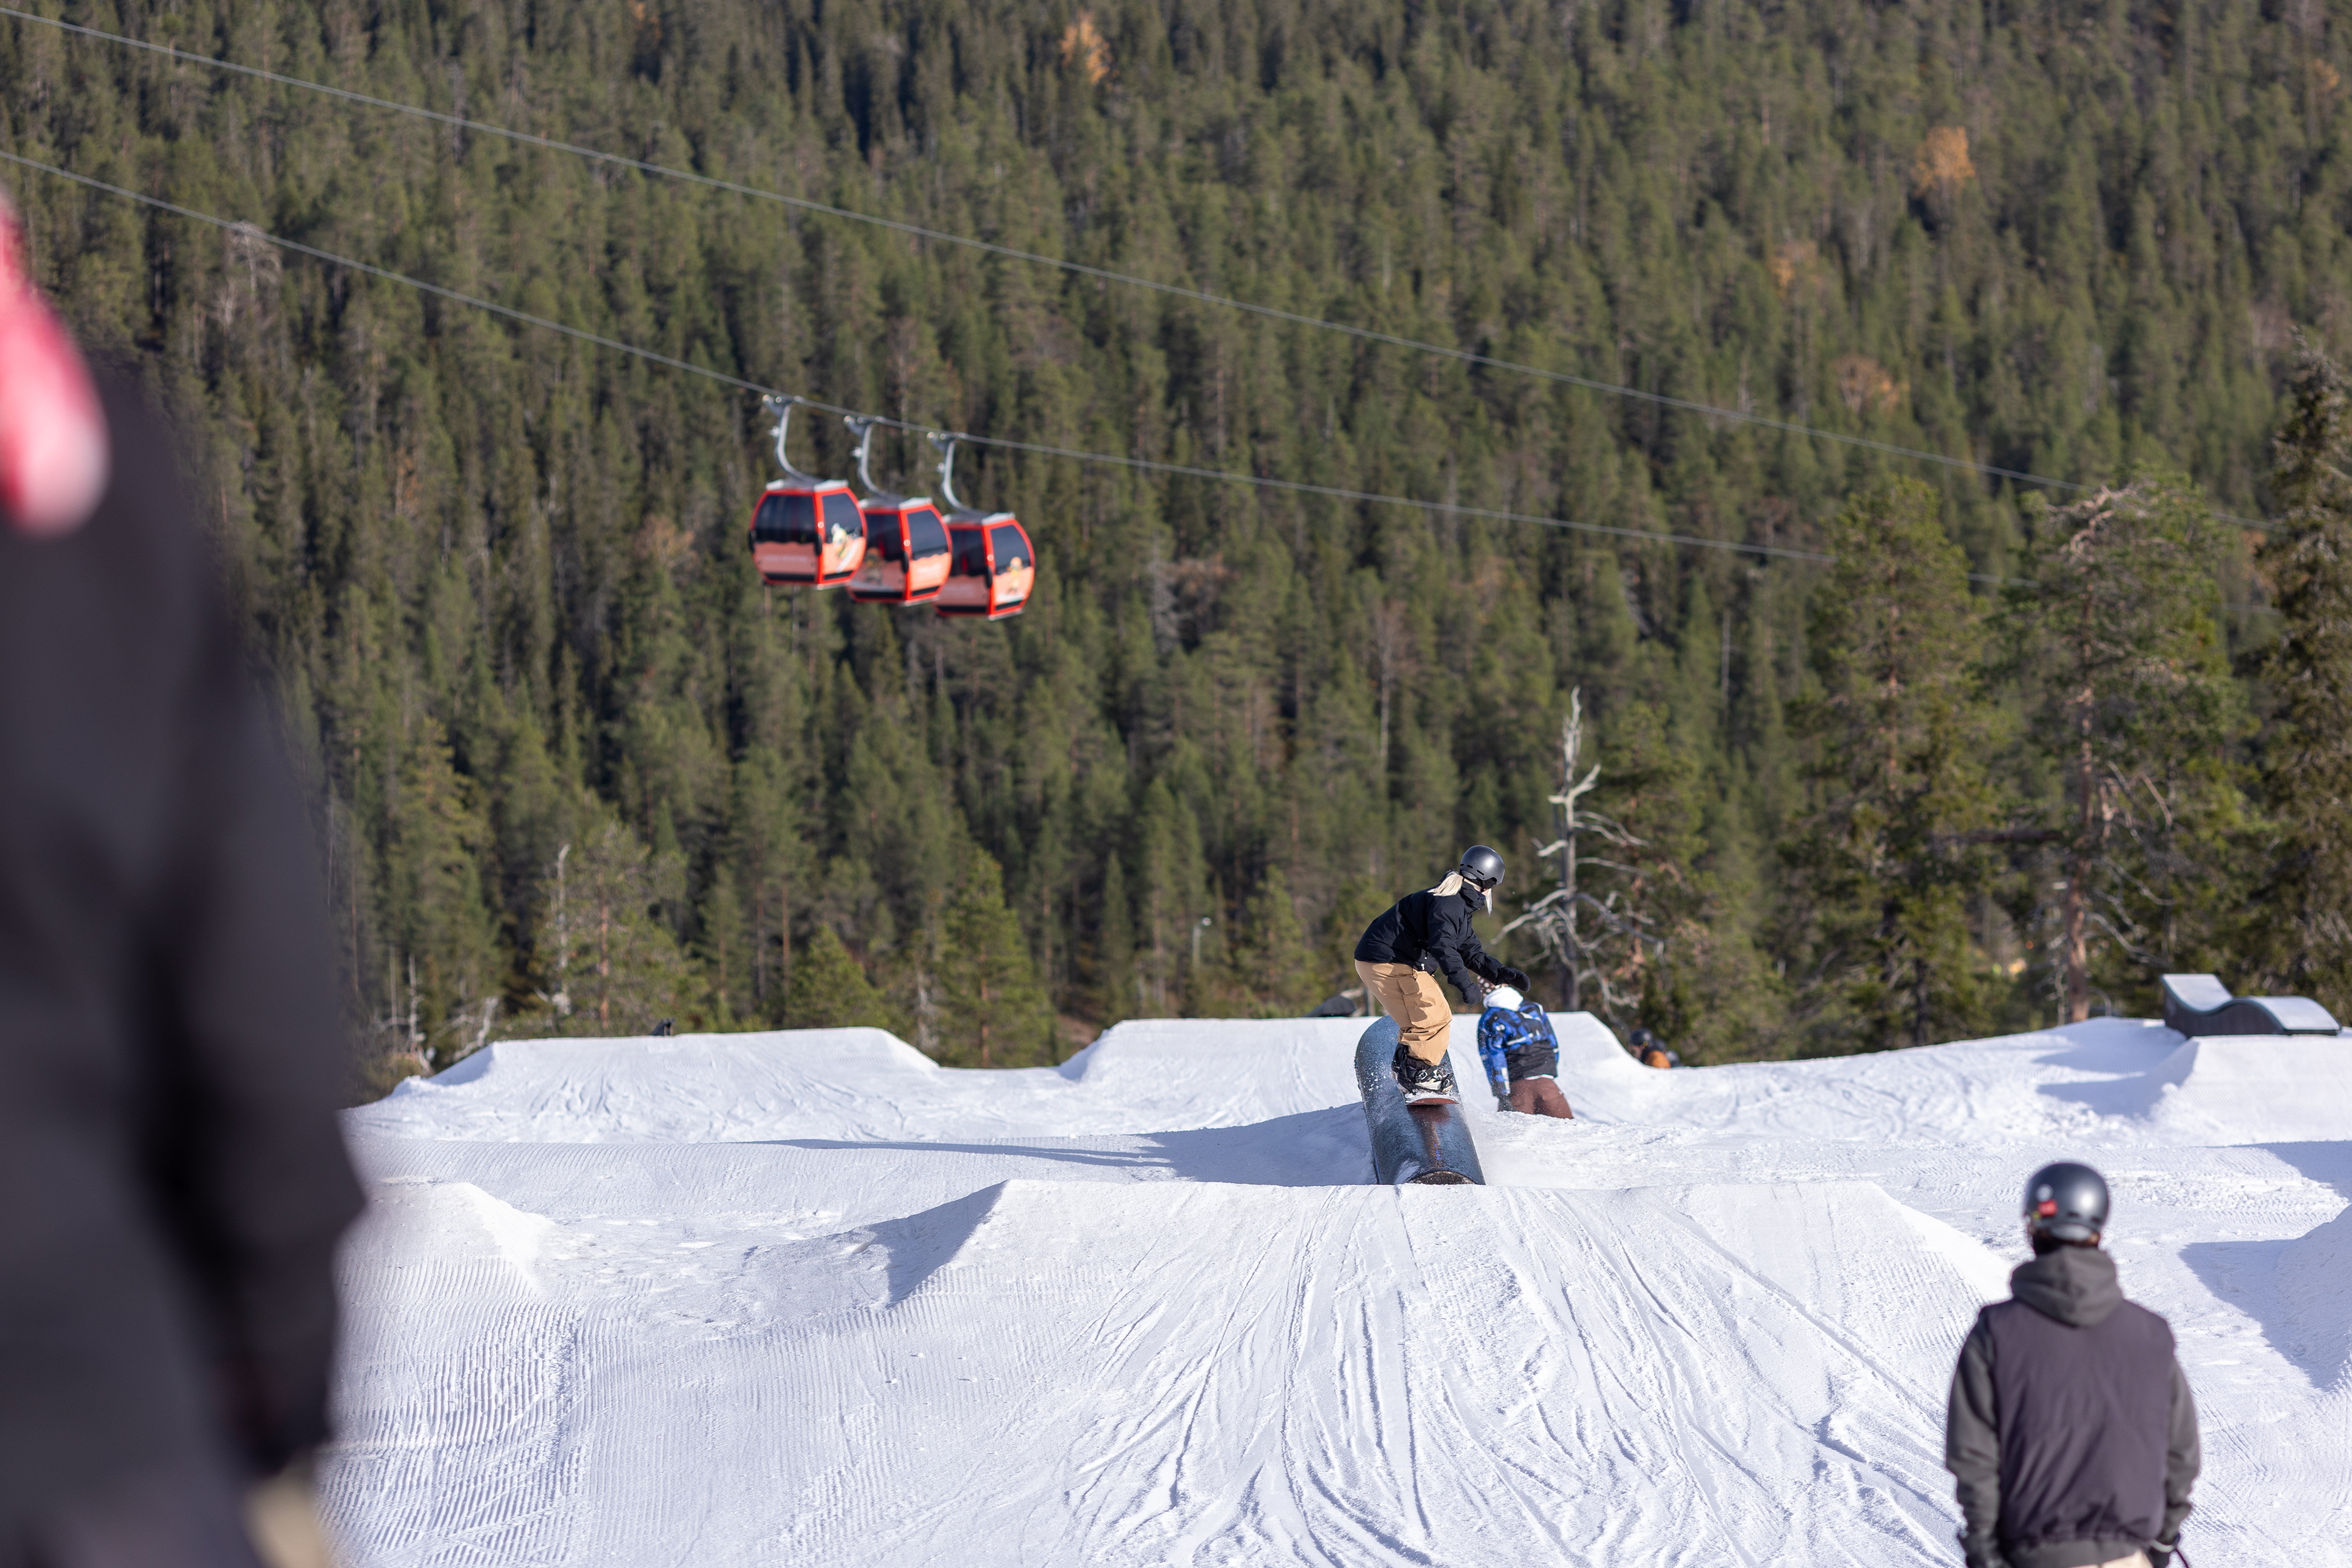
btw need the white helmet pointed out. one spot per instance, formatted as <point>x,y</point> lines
<point>1504,997</point>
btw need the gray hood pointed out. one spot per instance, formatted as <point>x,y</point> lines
<point>2074,1285</point>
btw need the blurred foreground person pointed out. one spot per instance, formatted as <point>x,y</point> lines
<point>2072,1431</point>
<point>171,1178</point>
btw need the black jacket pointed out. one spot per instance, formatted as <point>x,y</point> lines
<point>1432,933</point>
<point>172,1177</point>
<point>2072,1432</point>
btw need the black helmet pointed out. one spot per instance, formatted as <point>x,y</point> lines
<point>1481,865</point>
<point>2066,1202</point>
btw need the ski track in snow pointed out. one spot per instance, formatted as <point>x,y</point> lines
<point>808,1298</point>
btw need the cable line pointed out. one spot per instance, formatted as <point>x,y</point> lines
<point>1081,269</point>
<point>1073,453</point>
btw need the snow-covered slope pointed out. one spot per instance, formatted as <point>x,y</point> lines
<point>808,1298</point>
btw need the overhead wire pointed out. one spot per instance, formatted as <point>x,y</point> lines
<point>1264,481</point>
<point>1151,464</point>
<point>1081,269</point>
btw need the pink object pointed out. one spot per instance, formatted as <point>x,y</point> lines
<point>54,460</point>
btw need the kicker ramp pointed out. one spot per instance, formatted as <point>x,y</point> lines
<point>2197,1004</point>
<point>1425,1144</point>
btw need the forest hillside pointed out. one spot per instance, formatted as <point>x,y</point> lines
<point>1889,748</point>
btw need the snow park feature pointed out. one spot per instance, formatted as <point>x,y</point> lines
<point>1429,1143</point>
<point>808,1298</point>
<point>2196,1005</point>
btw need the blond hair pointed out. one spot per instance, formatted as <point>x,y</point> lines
<point>1455,884</point>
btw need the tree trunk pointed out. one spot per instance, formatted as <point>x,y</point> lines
<point>2076,910</point>
<point>1571,949</point>
<point>759,948</point>
<point>2075,949</point>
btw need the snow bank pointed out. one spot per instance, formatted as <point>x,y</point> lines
<point>810,1298</point>
<point>865,1084</point>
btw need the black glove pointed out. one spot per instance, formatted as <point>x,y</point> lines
<point>1517,979</point>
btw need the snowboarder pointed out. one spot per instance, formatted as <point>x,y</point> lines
<point>2072,1432</point>
<point>1424,935</point>
<point>1521,1054</point>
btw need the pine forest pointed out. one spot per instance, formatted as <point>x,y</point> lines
<point>1869,483</point>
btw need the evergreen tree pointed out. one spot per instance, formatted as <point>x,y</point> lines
<point>612,965</point>
<point>2115,635</point>
<point>992,1012</point>
<point>1278,971</point>
<point>830,990</point>
<point>767,844</point>
<point>1881,869</point>
<point>2299,938</point>
<point>441,925</point>
<point>1961,231</point>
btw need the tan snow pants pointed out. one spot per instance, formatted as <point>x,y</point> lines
<point>1414,1000</point>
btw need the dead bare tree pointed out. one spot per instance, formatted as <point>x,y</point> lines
<point>1597,942</point>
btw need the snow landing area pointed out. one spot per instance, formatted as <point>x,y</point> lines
<point>806,1297</point>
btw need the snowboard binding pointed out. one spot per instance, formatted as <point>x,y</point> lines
<point>1425,1083</point>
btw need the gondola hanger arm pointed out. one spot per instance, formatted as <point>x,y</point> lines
<point>945,440</point>
<point>780,405</point>
<point>862,426</point>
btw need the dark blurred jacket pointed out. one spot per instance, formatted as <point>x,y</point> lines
<point>2071,1431</point>
<point>172,1177</point>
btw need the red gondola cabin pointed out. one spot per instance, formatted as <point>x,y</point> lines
<point>994,566</point>
<point>906,552</point>
<point>805,530</point>
<point>905,543</point>
<point>806,535</point>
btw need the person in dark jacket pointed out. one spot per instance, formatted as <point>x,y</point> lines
<point>1420,936</point>
<point>173,1180</point>
<point>2072,1432</point>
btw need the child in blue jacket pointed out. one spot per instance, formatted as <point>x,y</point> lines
<point>1521,1054</point>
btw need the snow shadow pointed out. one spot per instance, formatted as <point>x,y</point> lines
<point>1309,1149</point>
<point>2293,1290</point>
<point>2141,1064</point>
<point>921,1245</point>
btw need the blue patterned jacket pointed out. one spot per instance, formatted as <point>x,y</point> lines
<point>1518,1044</point>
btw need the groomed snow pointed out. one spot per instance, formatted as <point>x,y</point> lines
<point>806,1297</point>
